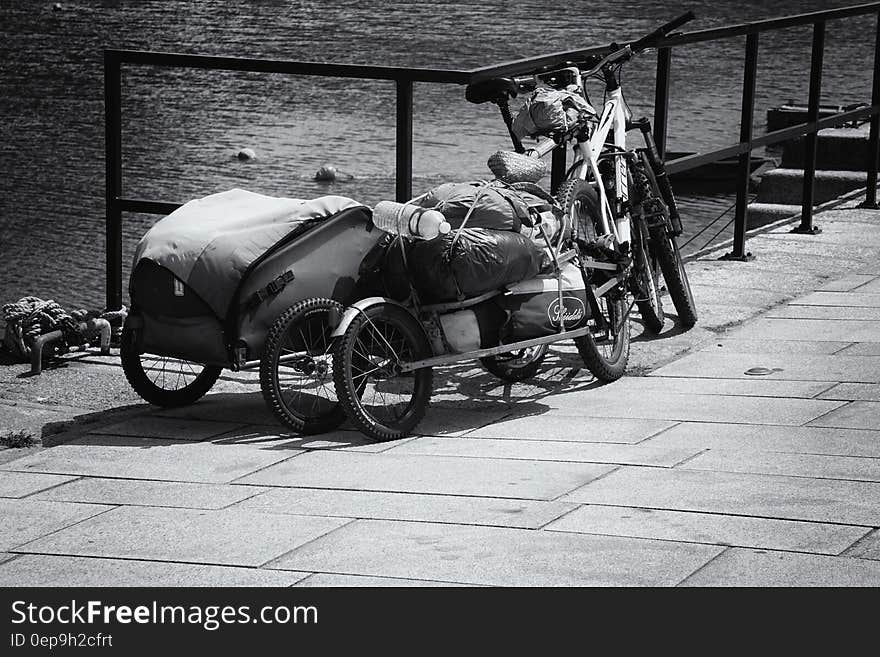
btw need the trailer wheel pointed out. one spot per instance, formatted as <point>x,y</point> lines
<point>162,380</point>
<point>296,372</point>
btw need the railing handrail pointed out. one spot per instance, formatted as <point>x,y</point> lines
<point>290,67</point>
<point>404,77</point>
<point>524,65</point>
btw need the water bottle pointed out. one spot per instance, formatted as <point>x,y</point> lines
<point>409,220</point>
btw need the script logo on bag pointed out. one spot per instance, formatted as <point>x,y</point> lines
<point>573,312</point>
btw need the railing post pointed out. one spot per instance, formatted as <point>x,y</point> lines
<point>746,124</point>
<point>113,155</point>
<point>874,135</point>
<point>404,140</point>
<point>810,144</point>
<point>661,98</point>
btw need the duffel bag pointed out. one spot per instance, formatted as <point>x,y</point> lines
<point>534,305</point>
<point>495,206</point>
<point>470,262</point>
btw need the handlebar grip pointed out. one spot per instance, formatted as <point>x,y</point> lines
<point>655,36</point>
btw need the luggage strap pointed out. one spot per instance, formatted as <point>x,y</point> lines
<point>273,288</point>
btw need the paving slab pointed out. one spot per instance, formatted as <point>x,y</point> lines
<point>850,299</point>
<point>855,415</point>
<point>25,520</point>
<point>820,466</point>
<point>806,367</point>
<point>713,528</point>
<point>853,392</point>
<point>548,450</point>
<point>277,438</point>
<point>870,287</point>
<point>792,498</point>
<point>429,474</point>
<point>825,313</point>
<point>150,426</point>
<point>561,425</point>
<point>133,492</point>
<point>56,571</point>
<point>145,458</point>
<point>497,556</point>
<point>734,275</point>
<point>22,484</point>
<point>453,422</point>
<point>225,537</point>
<point>699,408</point>
<point>797,440</point>
<point>847,283</point>
<point>32,418</point>
<point>324,580</point>
<point>240,407</point>
<point>861,349</point>
<point>526,514</point>
<point>754,387</point>
<point>867,548</point>
<point>774,346</point>
<point>844,330</point>
<point>739,296</point>
<point>741,567</point>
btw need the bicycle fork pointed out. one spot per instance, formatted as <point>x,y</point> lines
<point>662,178</point>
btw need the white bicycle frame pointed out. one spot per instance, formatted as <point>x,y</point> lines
<point>614,117</point>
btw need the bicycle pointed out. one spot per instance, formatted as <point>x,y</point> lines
<point>621,200</point>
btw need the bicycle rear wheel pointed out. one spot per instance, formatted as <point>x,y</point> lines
<point>605,351</point>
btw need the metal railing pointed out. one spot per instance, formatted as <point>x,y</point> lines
<point>404,78</point>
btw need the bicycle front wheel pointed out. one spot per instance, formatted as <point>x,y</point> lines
<point>380,400</point>
<point>646,279</point>
<point>666,251</point>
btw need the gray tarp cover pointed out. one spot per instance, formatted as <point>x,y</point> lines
<point>209,242</point>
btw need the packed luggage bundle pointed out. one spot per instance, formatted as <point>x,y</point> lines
<point>496,240</point>
<point>551,110</point>
<point>214,274</point>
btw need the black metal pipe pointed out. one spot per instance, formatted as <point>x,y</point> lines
<point>746,124</point>
<point>287,67</point>
<point>661,99</point>
<point>874,134</point>
<point>812,139</point>
<point>404,140</point>
<point>113,188</point>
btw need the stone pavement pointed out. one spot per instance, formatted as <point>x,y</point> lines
<point>687,472</point>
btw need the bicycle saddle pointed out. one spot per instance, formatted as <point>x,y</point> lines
<point>491,89</point>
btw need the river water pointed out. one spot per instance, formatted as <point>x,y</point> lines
<point>181,129</point>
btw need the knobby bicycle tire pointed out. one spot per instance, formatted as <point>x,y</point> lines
<point>300,412</point>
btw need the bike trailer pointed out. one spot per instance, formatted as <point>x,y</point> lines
<point>210,278</point>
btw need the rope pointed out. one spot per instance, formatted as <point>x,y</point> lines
<point>30,317</point>
<point>711,223</point>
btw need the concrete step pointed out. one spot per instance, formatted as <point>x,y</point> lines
<point>761,214</point>
<point>839,149</point>
<point>785,186</point>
